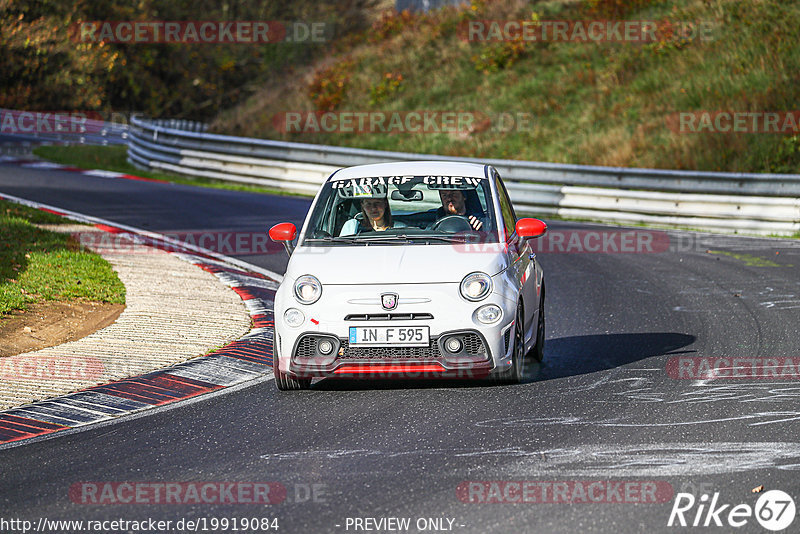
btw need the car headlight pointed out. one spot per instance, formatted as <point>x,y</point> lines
<point>294,317</point>
<point>476,286</point>
<point>491,313</point>
<point>307,289</point>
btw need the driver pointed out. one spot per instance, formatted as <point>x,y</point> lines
<point>454,202</point>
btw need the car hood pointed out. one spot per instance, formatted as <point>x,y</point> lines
<point>393,264</point>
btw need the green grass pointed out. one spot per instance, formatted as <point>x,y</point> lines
<point>114,158</point>
<point>748,259</point>
<point>38,265</point>
<point>32,215</point>
<point>592,103</point>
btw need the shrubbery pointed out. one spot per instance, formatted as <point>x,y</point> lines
<point>44,69</point>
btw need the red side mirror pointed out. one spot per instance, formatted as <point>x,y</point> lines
<point>283,232</point>
<point>531,228</point>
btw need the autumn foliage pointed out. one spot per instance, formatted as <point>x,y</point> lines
<point>43,66</point>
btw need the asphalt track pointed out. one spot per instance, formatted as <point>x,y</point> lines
<point>602,406</point>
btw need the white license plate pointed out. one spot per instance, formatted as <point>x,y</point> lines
<point>387,336</point>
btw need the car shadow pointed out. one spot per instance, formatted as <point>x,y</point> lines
<point>357,384</point>
<point>563,357</point>
<point>578,355</point>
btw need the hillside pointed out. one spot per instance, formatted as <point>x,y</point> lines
<point>605,103</point>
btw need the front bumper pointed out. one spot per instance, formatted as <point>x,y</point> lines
<point>472,361</point>
<point>437,306</point>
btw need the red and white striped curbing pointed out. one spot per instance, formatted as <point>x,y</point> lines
<point>248,358</point>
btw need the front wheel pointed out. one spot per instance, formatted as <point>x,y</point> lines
<point>537,351</point>
<point>516,373</point>
<point>285,382</point>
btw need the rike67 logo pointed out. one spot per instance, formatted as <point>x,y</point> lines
<point>774,510</point>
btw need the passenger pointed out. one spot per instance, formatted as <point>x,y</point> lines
<point>375,215</point>
<point>454,202</point>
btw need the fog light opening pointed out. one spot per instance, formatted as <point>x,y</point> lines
<point>453,345</point>
<point>325,347</point>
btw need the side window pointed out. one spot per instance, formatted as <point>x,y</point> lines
<point>509,218</point>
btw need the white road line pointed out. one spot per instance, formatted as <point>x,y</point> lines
<point>143,412</point>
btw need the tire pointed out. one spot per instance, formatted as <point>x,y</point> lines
<point>537,351</point>
<point>517,371</point>
<point>285,382</point>
<point>518,353</point>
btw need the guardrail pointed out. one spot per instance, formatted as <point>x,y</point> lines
<point>62,127</point>
<point>726,202</point>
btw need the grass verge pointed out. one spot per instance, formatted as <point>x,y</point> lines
<point>38,265</point>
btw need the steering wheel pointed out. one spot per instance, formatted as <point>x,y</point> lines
<point>452,224</point>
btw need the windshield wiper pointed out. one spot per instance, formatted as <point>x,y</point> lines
<point>413,238</point>
<point>390,238</point>
<point>445,238</point>
<point>383,238</point>
<point>359,239</point>
<point>329,239</point>
<point>449,238</point>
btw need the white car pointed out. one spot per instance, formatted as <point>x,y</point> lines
<point>409,269</point>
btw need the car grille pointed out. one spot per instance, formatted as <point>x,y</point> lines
<point>373,353</point>
<point>473,345</point>
<point>387,316</point>
<point>507,338</point>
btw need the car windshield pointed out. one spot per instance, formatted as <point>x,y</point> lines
<point>403,210</point>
